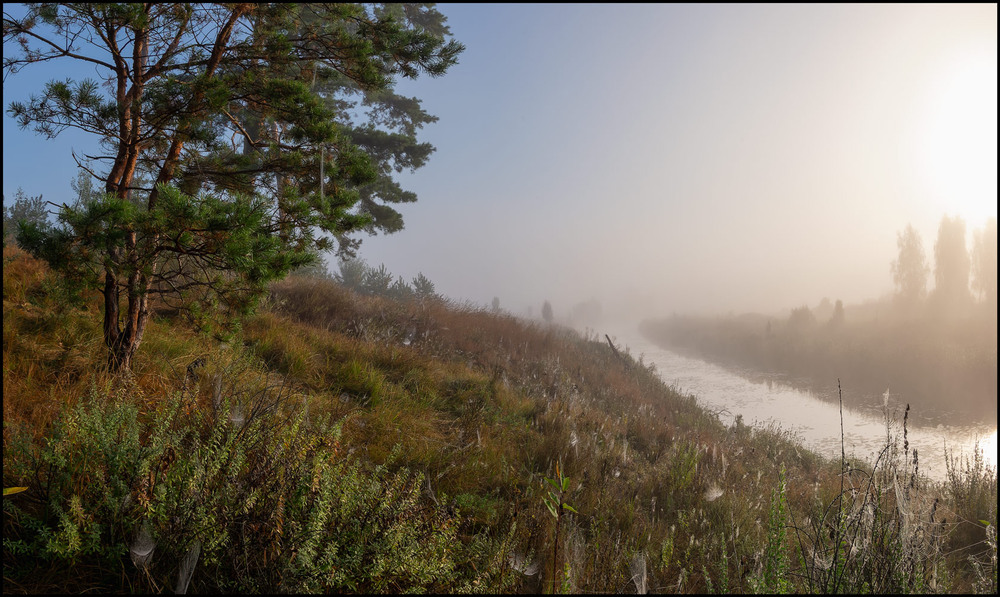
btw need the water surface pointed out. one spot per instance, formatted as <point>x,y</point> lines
<point>814,419</point>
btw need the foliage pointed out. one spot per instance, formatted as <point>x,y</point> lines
<point>352,273</point>
<point>400,290</point>
<point>170,107</point>
<point>430,420</point>
<point>774,578</point>
<point>423,288</point>
<point>971,486</point>
<point>986,572</point>
<point>83,188</point>
<point>263,501</point>
<point>377,281</point>
<point>801,319</point>
<point>316,269</point>
<point>547,312</point>
<point>360,277</point>
<point>554,500</point>
<point>23,209</point>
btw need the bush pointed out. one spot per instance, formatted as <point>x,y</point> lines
<point>972,491</point>
<point>249,499</point>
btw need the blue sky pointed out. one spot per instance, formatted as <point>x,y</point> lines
<point>663,158</point>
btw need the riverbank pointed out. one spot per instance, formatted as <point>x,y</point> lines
<point>946,372</point>
<point>344,443</point>
<point>813,418</point>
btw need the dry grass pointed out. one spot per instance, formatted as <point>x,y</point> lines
<point>485,406</point>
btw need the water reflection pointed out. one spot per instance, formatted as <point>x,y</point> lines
<point>763,400</point>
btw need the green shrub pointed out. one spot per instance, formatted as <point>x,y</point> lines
<point>775,574</point>
<point>249,500</point>
<point>971,486</point>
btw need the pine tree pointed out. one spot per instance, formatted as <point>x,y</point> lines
<point>184,90</point>
<point>23,209</point>
<point>423,288</point>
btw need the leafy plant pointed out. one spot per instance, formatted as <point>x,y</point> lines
<point>775,574</point>
<point>252,498</point>
<point>555,502</point>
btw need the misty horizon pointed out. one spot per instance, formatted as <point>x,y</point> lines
<point>700,159</point>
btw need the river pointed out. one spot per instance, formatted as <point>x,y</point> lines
<point>815,420</point>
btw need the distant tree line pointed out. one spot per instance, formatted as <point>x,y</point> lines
<point>32,211</point>
<point>362,278</point>
<point>961,277</point>
<point>21,209</point>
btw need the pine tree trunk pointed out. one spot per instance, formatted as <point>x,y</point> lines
<point>122,342</point>
<point>120,357</point>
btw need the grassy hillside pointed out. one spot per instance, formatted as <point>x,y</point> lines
<point>355,444</point>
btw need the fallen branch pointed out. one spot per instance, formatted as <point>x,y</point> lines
<point>617,353</point>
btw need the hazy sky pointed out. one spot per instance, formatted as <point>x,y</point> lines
<point>674,158</point>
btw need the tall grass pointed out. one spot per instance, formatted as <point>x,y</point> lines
<point>971,490</point>
<point>250,499</point>
<point>357,444</point>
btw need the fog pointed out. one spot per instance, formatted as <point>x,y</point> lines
<point>696,159</point>
<point>693,160</point>
<point>674,158</point>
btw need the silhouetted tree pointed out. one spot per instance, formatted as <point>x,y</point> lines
<point>801,319</point>
<point>352,273</point>
<point>909,269</point>
<point>179,86</point>
<point>951,267</point>
<point>837,319</point>
<point>84,192</point>
<point>547,312</point>
<point>496,303</point>
<point>423,288</point>
<point>377,281</point>
<point>400,290</point>
<point>824,309</point>
<point>984,263</point>
<point>317,269</point>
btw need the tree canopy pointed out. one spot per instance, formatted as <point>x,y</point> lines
<point>264,131</point>
<point>360,277</point>
<point>23,208</point>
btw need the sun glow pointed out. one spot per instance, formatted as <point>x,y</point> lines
<point>958,145</point>
<point>990,449</point>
